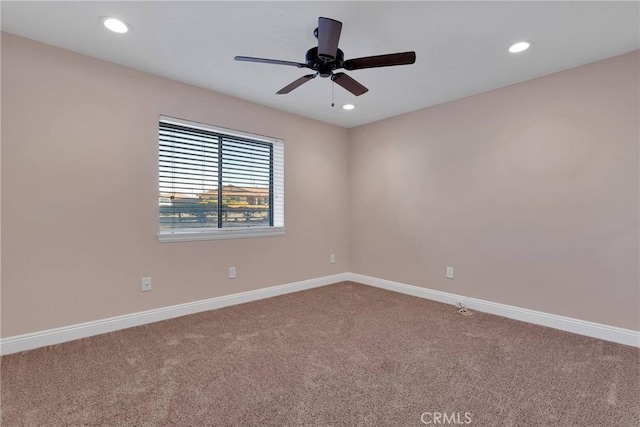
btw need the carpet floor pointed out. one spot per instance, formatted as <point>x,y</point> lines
<point>340,355</point>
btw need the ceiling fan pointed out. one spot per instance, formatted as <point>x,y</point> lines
<point>326,58</point>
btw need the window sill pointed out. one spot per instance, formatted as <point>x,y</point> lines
<point>190,236</point>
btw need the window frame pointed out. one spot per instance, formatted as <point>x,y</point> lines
<point>215,233</point>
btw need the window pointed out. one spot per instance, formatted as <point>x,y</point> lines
<point>216,183</point>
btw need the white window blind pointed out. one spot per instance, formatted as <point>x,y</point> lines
<point>217,183</point>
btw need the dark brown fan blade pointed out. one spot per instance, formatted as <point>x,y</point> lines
<point>328,38</point>
<point>404,58</point>
<point>269,61</point>
<point>349,84</point>
<point>291,86</point>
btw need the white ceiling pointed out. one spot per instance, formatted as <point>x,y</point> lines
<point>461,47</point>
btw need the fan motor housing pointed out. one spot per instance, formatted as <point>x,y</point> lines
<point>323,68</point>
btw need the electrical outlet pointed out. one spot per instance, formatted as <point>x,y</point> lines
<point>449,272</point>
<point>332,259</point>
<point>232,272</point>
<point>146,284</point>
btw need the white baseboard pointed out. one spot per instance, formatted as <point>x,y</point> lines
<point>83,330</point>
<point>576,326</point>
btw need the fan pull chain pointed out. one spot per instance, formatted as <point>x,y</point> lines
<point>333,84</point>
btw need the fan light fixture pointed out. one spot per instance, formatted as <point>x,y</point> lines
<point>348,107</point>
<point>519,47</point>
<point>115,25</point>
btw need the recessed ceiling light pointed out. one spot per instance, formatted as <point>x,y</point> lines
<point>115,25</point>
<point>348,107</point>
<point>519,47</point>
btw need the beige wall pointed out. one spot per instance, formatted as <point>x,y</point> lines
<point>79,186</point>
<point>530,192</point>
